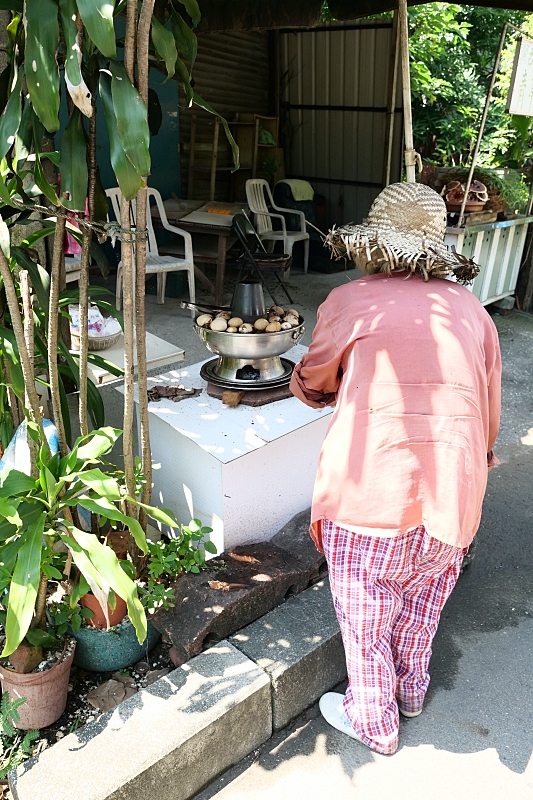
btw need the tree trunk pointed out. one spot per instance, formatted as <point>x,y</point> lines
<point>18,330</point>
<point>53,327</point>
<point>27,308</point>
<point>143,38</point>
<point>127,285</point>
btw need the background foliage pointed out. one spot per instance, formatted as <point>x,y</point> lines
<point>452,56</point>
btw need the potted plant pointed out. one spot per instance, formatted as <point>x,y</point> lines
<point>107,650</point>
<point>41,540</point>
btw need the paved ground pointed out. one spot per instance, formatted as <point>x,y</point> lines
<point>475,738</point>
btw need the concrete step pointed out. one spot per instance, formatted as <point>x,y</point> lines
<point>176,736</point>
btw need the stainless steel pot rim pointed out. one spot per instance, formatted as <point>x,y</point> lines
<point>259,336</point>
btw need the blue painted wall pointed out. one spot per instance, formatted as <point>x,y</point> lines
<point>164,147</point>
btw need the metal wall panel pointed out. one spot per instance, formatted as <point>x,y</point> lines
<point>232,74</point>
<point>334,103</point>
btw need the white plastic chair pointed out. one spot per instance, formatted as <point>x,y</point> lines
<point>154,262</point>
<point>259,199</point>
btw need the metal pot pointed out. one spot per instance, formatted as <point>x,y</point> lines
<point>250,346</point>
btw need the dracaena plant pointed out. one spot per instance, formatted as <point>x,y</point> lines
<point>37,514</point>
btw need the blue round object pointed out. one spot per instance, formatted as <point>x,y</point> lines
<point>106,651</point>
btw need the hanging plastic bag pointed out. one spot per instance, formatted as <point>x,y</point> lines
<point>17,453</point>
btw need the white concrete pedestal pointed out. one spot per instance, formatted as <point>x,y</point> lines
<point>243,471</point>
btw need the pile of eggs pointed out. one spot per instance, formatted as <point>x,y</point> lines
<point>276,320</point>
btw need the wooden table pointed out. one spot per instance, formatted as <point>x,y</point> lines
<point>200,221</point>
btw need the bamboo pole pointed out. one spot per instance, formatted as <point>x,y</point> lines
<point>83,281</point>
<point>391,101</point>
<point>127,285</point>
<point>53,326</point>
<point>27,308</point>
<point>482,124</point>
<point>18,330</point>
<point>410,155</point>
<point>143,40</point>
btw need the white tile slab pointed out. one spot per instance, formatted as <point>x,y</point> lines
<point>228,433</point>
<point>158,354</point>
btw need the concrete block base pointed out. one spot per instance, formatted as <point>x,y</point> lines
<point>300,648</point>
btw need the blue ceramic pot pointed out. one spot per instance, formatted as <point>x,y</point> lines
<point>106,651</point>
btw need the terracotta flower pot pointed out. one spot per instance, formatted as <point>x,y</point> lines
<point>470,206</point>
<point>45,693</point>
<point>99,620</point>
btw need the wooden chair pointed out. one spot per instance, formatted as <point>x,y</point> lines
<point>260,201</point>
<point>155,263</point>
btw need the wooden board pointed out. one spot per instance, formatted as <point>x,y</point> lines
<point>259,397</point>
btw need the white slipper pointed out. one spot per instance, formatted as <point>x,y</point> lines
<point>332,709</point>
<point>409,713</point>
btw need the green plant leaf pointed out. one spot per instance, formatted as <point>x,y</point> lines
<point>93,358</point>
<point>101,442</point>
<point>107,509</point>
<point>42,76</point>
<point>165,45</point>
<point>105,561</point>
<point>210,547</point>
<point>49,484</point>
<point>40,179</point>
<point>10,119</point>
<point>164,515</point>
<point>183,72</point>
<point>104,485</point>
<point>41,638</point>
<point>24,586</point>
<point>40,279</point>
<point>99,587</point>
<point>65,411</point>
<point>23,137</point>
<point>233,144</point>
<point>33,238</point>
<point>73,164</point>
<point>29,512</point>
<point>132,119</point>
<point>97,16</point>
<point>185,39</point>
<point>68,11</point>
<point>8,511</point>
<point>127,177</point>
<point>193,10</point>
<point>10,350</point>
<point>79,590</point>
<point>11,5</point>
<point>94,398</point>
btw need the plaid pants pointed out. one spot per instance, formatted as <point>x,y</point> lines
<point>388,595</point>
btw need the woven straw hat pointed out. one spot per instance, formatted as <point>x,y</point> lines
<point>404,231</point>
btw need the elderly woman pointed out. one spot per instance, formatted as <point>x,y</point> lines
<point>412,365</point>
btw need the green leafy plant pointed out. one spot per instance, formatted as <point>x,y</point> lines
<point>37,514</point>
<point>15,746</point>
<point>170,557</point>
<point>269,167</point>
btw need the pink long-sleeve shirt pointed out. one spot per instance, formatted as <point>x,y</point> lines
<point>414,372</point>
